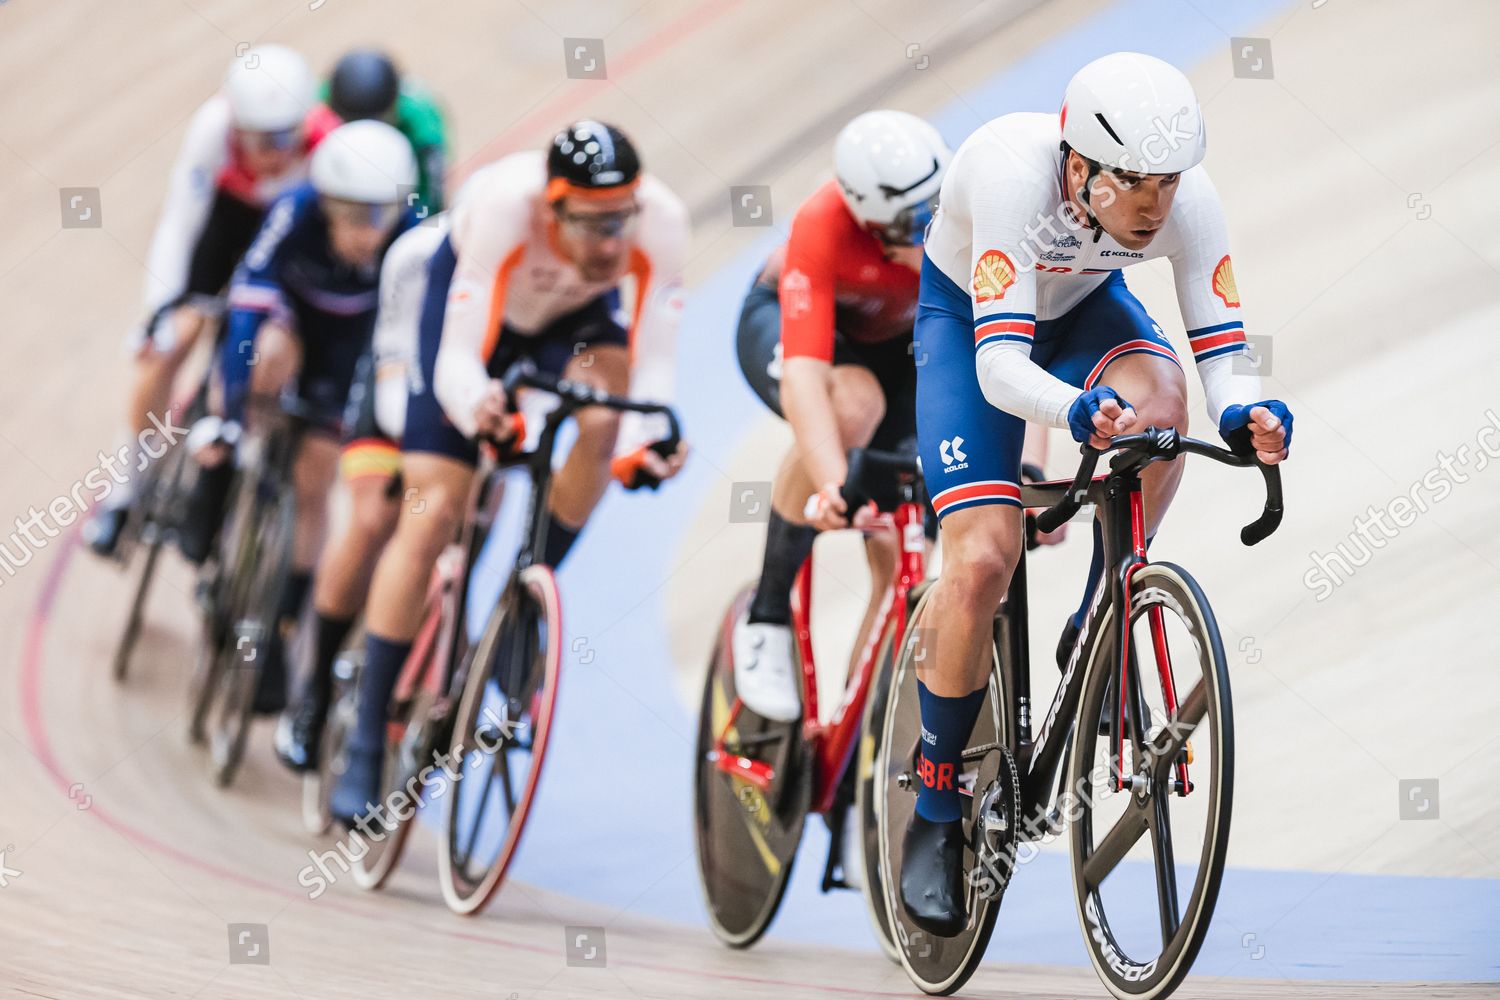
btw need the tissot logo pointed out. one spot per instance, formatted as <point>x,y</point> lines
<point>951,451</point>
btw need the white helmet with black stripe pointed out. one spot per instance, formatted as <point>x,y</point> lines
<point>889,166</point>
<point>1135,113</point>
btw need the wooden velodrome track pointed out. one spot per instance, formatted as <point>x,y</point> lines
<point>1365,235</point>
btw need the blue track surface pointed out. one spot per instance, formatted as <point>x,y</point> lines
<point>613,821</point>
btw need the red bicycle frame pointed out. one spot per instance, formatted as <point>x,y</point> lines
<point>830,744</point>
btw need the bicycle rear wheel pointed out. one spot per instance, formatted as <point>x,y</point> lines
<point>1148,858</point>
<point>988,786</point>
<point>747,837</point>
<point>500,735</point>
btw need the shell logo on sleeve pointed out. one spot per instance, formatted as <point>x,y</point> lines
<point>1223,283</point>
<point>992,276</point>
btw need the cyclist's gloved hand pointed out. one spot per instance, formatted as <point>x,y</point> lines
<point>1267,433</point>
<point>648,465</point>
<point>1098,415</point>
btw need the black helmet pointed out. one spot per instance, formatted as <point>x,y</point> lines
<point>364,85</point>
<point>591,156</point>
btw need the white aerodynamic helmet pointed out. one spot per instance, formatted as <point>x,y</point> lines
<point>1133,112</point>
<point>270,89</point>
<point>366,161</point>
<point>889,165</point>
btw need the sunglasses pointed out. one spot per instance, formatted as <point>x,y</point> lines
<point>271,141</point>
<point>358,213</point>
<point>599,225</point>
<point>908,228</point>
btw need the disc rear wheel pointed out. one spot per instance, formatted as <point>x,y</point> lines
<point>747,833</point>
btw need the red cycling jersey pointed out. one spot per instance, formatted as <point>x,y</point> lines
<point>835,276</point>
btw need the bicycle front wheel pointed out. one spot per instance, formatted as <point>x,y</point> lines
<point>1150,825</point>
<point>500,736</point>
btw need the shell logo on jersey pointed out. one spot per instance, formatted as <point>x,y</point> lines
<point>992,276</point>
<point>796,293</point>
<point>1223,283</point>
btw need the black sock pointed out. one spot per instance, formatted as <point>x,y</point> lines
<point>787,548</point>
<point>328,635</point>
<point>293,596</point>
<point>560,539</point>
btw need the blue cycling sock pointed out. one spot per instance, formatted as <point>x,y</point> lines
<point>1096,570</point>
<point>946,726</point>
<point>377,680</point>
<point>560,539</point>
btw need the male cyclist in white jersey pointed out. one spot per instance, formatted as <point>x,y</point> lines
<point>533,267</point>
<point>1024,316</point>
<point>245,147</point>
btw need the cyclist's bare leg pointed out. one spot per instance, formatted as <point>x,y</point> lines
<point>981,546</point>
<point>439,487</point>
<point>1157,389</point>
<point>151,389</point>
<point>313,474</point>
<point>347,564</point>
<point>881,550</point>
<point>585,474</point>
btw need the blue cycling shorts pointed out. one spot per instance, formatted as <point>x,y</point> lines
<point>971,452</point>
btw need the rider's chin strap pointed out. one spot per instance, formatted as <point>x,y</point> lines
<point>1083,194</point>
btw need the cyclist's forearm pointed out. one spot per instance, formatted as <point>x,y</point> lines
<point>808,405</point>
<point>1225,382</point>
<point>236,358</point>
<point>1012,382</point>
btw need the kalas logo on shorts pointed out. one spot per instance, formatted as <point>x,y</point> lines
<point>1122,253</point>
<point>992,276</point>
<point>1223,284</point>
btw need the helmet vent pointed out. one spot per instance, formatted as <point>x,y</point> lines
<point>1100,118</point>
<point>894,192</point>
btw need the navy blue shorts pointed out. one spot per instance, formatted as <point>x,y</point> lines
<point>971,451</point>
<point>331,349</point>
<point>428,428</point>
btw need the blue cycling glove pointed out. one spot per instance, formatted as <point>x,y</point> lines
<point>1234,425</point>
<point>1081,413</point>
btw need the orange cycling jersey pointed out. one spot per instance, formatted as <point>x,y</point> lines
<point>834,276</point>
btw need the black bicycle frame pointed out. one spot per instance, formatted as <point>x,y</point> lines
<point>1117,499</point>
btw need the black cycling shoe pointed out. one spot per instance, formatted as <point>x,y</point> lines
<point>932,876</point>
<point>1065,650</point>
<point>299,735</point>
<point>205,512</point>
<point>102,532</point>
<point>270,695</point>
